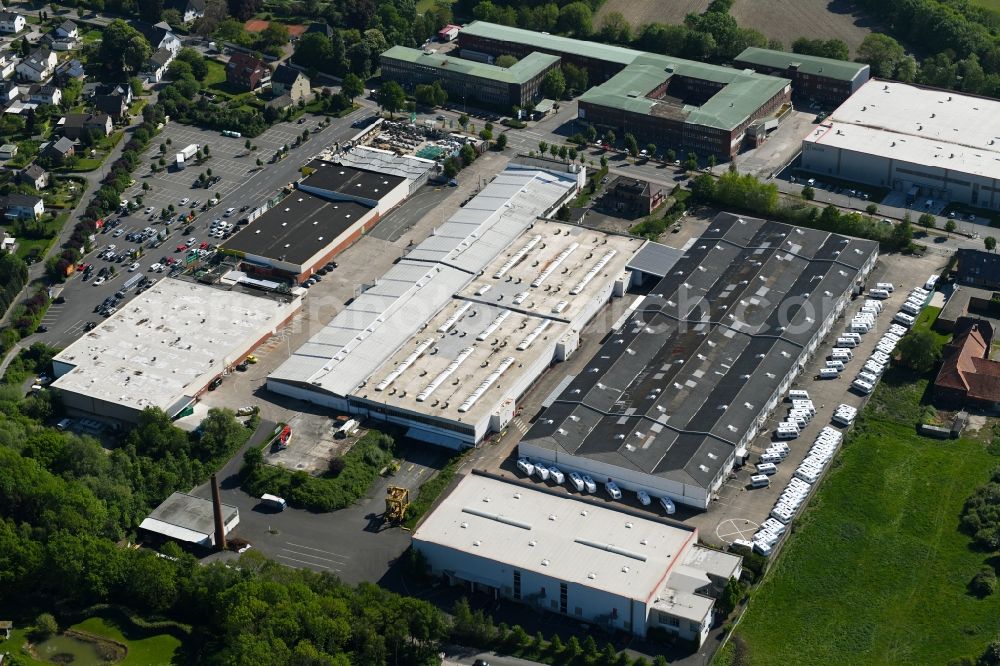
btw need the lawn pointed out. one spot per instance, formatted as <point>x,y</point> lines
<point>92,36</point>
<point>216,73</point>
<point>425,5</point>
<point>143,649</point>
<point>876,572</point>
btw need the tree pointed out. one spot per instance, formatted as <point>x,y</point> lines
<point>45,627</point>
<point>871,208</point>
<point>275,34</point>
<point>691,163</point>
<point>576,77</point>
<point>591,133</point>
<point>991,243</point>
<point>554,84</point>
<point>123,49</point>
<point>902,234</point>
<point>463,120</point>
<point>543,147</point>
<point>576,19</point>
<point>631,145</point>
<point>391,97</point>
<point>808,193</point>
<point>199,68</point>
<point>244,9</point>
<point>882,52</point>
<point>25,47</point>
<point>506,60</point>
<point>609,138</point>
<point>352,86</point>
<point>150,11</point>
<point>615,29</point>
<point>501,141</point>
<point>486,135</point>
<point>950,226</point>
<point>919,351</point>
<point>984,583</point>
<point>981,513</point>
<point>991,656</point>
<point>315,50</point>
<point>468,154</point>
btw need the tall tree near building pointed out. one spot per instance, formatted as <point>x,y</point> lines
<point>391,97</point>
<point>352,86</point>
<point>882,52</point>
<point>150,10</point>
<point>123,48</point>
<point>554,84</point>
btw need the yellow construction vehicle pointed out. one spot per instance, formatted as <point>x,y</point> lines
<point>397,500</point>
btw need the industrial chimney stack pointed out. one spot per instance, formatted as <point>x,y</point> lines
<point>220,524</point>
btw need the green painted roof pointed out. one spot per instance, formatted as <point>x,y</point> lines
<point>743,94</point>
<point>552,42</point>
<point>840,70</point>
<point>524,70</point>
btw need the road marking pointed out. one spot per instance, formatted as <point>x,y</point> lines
<point>315,557</point>
<point>318,550</point>
<point>311,564</point>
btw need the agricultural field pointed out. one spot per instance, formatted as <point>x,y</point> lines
<point>877,571</point>
<point>776,19</point>
<point>988,4</point>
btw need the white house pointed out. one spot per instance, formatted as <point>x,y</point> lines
<point>44,94</point>
<point>22,206</point>
<point>161,36</point>
<point>156,66</point>
<point>67,30</point>
<point>11,22</point>
<point>195,9</point>
<point>38,66</point>
<point>8,61</point>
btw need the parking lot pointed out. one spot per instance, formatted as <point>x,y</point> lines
<point>239,187</point>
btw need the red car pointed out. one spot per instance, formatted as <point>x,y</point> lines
<point>181,247</point>
<point>204,245</point>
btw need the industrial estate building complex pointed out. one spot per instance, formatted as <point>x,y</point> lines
<point>446,341</point>
<point>927,143</point>
<point>164,348</point>
<point>330,209</point>
<point>560,553</point>
<point>675,395</point>
<point>469,80</point>
<point>673,102</point>
<point>825,80</point>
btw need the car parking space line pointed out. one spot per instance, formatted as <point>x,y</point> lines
<point>318,550</point>
<point>314,557</point>
<point>311,564</point>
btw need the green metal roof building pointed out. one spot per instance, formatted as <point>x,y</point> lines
<point>469,80</point>
<point>828,81</point>
<point>671,102</point>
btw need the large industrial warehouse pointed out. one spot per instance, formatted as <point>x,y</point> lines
<point>619,570</point>
<point>924,142</point>
<point>676,394</point>
<point>164,348</point>
<point>710,109</point>
<point>330,209</point>
<point>446,341</point>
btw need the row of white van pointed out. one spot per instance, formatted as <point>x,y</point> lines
<point>844,415</point>
<point>583,483</point>
<point>802,411</point>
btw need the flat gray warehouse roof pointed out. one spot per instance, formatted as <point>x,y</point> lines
<point>673,390</point>
<point>187,518</point>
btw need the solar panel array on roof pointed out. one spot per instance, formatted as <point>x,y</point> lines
<point>674,390</point>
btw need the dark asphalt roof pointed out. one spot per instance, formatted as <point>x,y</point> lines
<point>297,228</point>
<point>350,181</point>
<point>654,259</point>
<point>672,392</point>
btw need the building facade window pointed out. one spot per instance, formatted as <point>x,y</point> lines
<point>517,585</point>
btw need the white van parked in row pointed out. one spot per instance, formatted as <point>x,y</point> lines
<point>797,394</point>
<point>904,319</point>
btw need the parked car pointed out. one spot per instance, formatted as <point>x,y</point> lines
<point>216,383</point>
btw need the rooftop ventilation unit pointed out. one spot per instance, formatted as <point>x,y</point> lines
<point>402,367</point>
<point>517,256</point>
<point>554,264</point>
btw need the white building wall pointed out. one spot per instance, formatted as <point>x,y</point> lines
<point>608,610</point>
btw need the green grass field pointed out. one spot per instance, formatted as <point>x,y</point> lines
<point>146,651</point>
<point>877,571</point>
<point>216,73</point>
<point>988,4</point>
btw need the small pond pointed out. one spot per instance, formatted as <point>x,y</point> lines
<point>64,649</point>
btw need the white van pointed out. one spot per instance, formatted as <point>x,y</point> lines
<point>878,293</point>
<point>759,481</point>
<point>274,502</point>
<point>931,281</point>
<point>798,394</point>
<point>904,319</point>
<point>828,373</point>
<point>887,286</point>
<point>846,342</point>
<point>767,468</point>
<point>836,365</point>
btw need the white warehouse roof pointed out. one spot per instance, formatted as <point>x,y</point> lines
<point>369,330</point>
<point>562,537</point>
<point>167,343</point>
<point>903,122</point>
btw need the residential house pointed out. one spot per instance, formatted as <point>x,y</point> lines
<point>58,43</point>
<point>8,151</point>
<point>246,72</point>
<point>22,206</point>
<point>38,66</point>
<point>967,376</point>
<point>290,81</point>
<point>12,22</point>
<point>636,198</point>
<point>114,103</point>
<point>156,66</point>
<point>8,61</point>
<point>9,91</point>
<point>67,29</point>
<point>194,9</point>
<point>75,124</point>
<point>71,69</point>
<point>8,245</point>
<point>161,36</point>
<point>58,151</point>
<point>6,626</point>
<point>35,176</point>
<point>40,94</point>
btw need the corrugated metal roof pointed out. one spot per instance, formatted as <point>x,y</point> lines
<point>342,355</point>
<point>521,72</point>
<point>840,70</point>
<point>551,42</point>
<point>655,259</point>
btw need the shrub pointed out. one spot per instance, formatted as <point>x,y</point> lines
<point>984,583</point>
